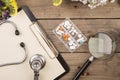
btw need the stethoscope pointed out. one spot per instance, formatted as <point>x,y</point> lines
<point>22,44</point>
<point>37,62</point>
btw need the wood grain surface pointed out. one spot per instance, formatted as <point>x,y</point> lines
<point>88,27</point>
<point>45,9</point>
<point>98,70</point>
<point>106,18</point>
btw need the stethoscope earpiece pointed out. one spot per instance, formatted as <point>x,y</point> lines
<point>17,32</point>
<point>22,44</point>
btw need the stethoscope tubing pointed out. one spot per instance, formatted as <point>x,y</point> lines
<point>22,44</point>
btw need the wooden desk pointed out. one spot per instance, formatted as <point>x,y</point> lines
<point>89,22</point>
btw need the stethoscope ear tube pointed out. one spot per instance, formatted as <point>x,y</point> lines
<point>83,68</point>
<point>22,44</point>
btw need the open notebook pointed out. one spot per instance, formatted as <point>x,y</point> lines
<point>36,43</point>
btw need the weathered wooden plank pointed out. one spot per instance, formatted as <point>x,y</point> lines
<point>88,27</point>
<point>45,9</point>
<point>98,70</point>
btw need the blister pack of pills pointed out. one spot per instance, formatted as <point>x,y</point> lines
<point>70,35</point>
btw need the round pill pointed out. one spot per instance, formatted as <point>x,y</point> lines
<point>74,44</point>
<point>72,47</point>
<point>69,39</point>
<point>73,33</point>
<point>68,27</point>
<point>73,28</point>
<point>79,35</point>
<point>58,33</point>
<point>76,32</point>
<point>70,43</point>
<point>62,32</point>
<point>80,41</point>
<point>67,22</point>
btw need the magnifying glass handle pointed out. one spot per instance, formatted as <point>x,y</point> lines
<point>83,68</point>
<point>36,76</point>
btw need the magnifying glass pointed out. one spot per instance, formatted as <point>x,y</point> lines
<point>101,46</point>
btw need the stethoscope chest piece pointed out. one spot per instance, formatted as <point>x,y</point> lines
<point>37,62</point>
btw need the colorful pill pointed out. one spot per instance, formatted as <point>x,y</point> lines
<point>66,36</point>
<point>61,28</point>
<point>81,40</point>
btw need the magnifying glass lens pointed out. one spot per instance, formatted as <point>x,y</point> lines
<point>101,45</point>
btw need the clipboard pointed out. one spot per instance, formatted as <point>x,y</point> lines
<point>39,36</point>
<point>58,56</point>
